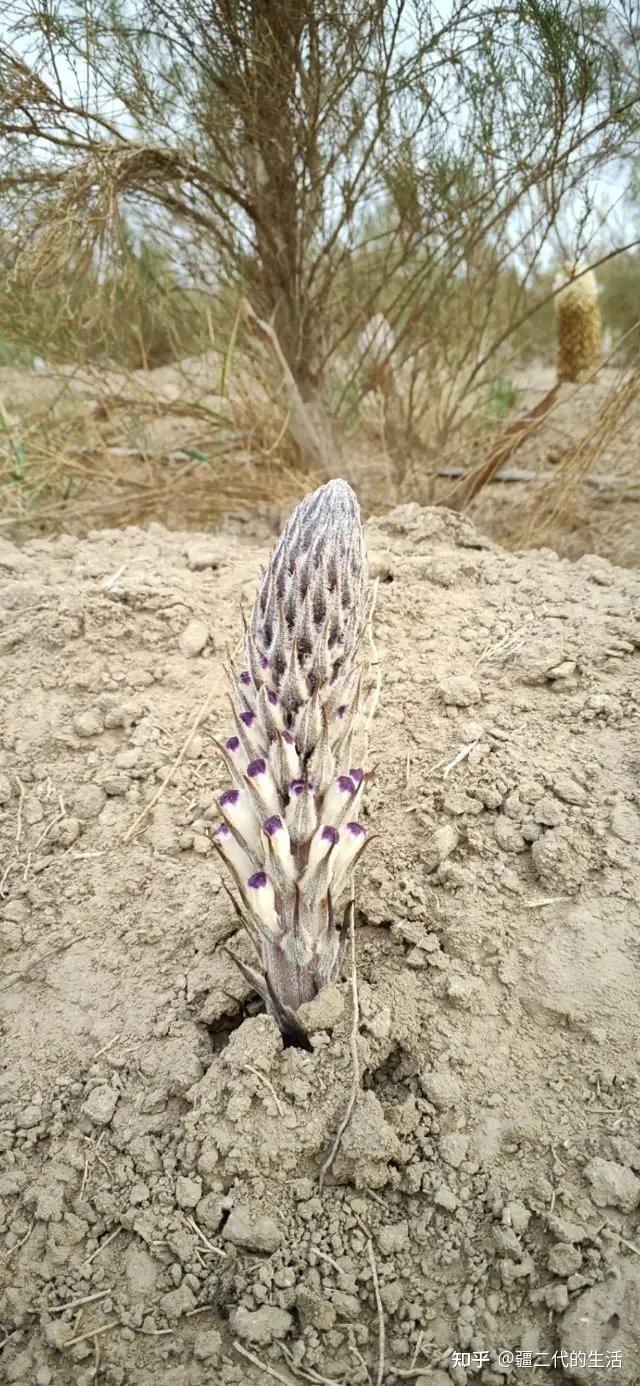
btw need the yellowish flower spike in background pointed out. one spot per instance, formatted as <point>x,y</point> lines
<point>290,830</point>
<point>578,322</point>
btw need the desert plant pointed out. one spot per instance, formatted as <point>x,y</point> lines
<point>290,830</point>
<point>331,162</point>
<point>578,322</point>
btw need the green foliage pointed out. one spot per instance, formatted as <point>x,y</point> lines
<point>620,299</point>
<point>502,397</point>
<point>136,314</point>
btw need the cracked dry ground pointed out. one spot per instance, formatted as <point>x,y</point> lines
<point>160,1212</point>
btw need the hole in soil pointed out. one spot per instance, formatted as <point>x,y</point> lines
<point>221,1030</point>
<point>296,1039</point>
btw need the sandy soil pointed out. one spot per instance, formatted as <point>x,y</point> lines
<point>161,1217</point>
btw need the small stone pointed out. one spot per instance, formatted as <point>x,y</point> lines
<point>89,723</point>
<point>5,789</point>
<point>243,1229</point>
<point>47,1202</point>
<point>115,783</point>
<point>515,1215</point>
<point>29,1117</point>
<point>565,670</point>
<point>314,1309</point>
<point>324,1012</point>
<point>209,1212</point>
<point>188,1191</point>
<point>439,846</point>
<point>140,1269</point>
<point>508,836</point>
<point>89,801</point>
<point>445,1198</point>
<point>460,690</point>
<point>391,1295</point>
<point>66,832</point>
<point>139,1194</point>
<point>32,810</point>
<point>207,1346</point>
<point>625,823</point>
<point>457,802</point>
<point>564,1259</point>
<point>369,1145</point>
<point>566,1231</point>
<point>613,1185</point>
<point>257,1042</point>
<point>202,555</point>
<point>559,862</point>
<point>101,1105</point>
<point>346,1305</point>
<point>56,1334</point>
<point>193,639</point>
<point>301,1189</point>
<point>44,1376</point>
<point>10,936</point>
<point>393,1238</point>
<point>464,992</point>
<point>442,1089</point>
<point>454,1149</point>
<point>547,812</point>
<point>570,791</point>
<point>16,910</point>
<point>122,715</point>
<point>178,1302</point>
<point>557,1298</point>
<point>265,1325</point>
<point>127,760</point>
<point>379,1025</point>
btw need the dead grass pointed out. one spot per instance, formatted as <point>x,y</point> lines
<point>208,438</point>
<point>616,420</point>
<point>81,449</point>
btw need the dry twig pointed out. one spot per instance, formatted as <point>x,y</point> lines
<point>381,1328</point>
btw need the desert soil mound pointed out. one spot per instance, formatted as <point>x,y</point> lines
<point>162,1218</point>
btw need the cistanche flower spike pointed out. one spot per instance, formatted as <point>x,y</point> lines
<point>290,833</point>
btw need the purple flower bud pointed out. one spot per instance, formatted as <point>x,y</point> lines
<point>230,797</point>
<point>258,881</point>
<point>341,710</point>
<point>264,662</point>
<point>248,718</point>
<point>245,678</point>
<point>222,831</point>
<point>273,825</point>
<point>346,784</point>
<point>357,776</point>
<point>257,767</point>
<point>272,698</point>
<point>233,744</point>
<point>330,834</point>
<point>355,829</point>
<point>286,736</point>
<point>297,787</point>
